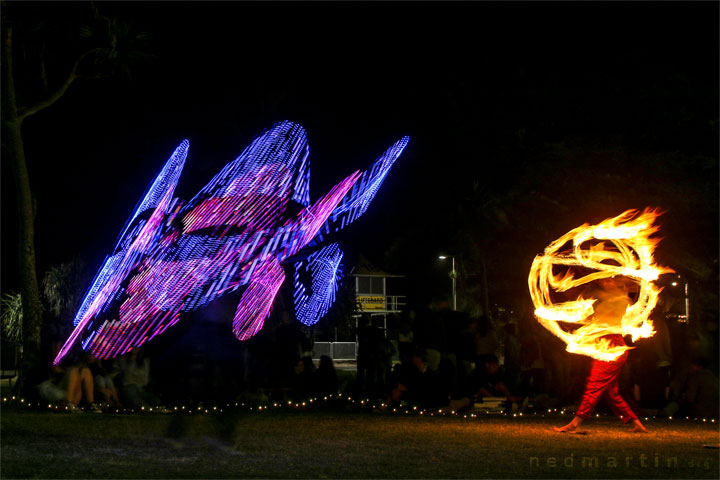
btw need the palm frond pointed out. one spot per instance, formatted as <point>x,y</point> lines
<point>63,286</point>
<point>12,316</point>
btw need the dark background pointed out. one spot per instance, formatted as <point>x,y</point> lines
<point>525,119</point>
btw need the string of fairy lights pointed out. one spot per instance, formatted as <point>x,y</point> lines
<point>332,401</point>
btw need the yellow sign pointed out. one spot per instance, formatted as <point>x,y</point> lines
<point>371,302</point>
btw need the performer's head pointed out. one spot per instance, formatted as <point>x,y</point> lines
<point>615,284</point>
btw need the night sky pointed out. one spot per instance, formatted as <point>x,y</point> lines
<point>479,87</point>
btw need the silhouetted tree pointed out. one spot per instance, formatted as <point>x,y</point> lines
<point>42,56</point>
<point>12,316</point>
<point>62,289</point>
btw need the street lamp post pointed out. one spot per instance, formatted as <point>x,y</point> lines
<point>453,275</point>
<point>687,299</point>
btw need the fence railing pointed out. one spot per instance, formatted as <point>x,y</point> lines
<point>10,361</point>
<point>395,303</point>
<point>335,350</point>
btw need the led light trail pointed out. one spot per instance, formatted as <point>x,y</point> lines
<point>236,233</point>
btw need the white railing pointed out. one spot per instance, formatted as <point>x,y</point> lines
<point>395,303</point>
<point>335,350</point>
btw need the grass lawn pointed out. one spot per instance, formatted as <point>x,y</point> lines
<point>346,444</point>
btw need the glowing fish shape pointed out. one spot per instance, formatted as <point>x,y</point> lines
<point>236,232</point>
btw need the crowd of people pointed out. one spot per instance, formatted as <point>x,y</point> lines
<point>83,382</point>
<point>446,359</point>
<point>277,366</point>
<point>434,358</point>
<point>450,360</point>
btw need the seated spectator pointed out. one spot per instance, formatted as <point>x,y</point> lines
<point>417,385</point>
<point>410,384</point>
<point>135,371</point>
<point>459,393</point>
<point>700,398</point>
<point>487,380</point>
<point>104,385</point>
<point>70,383</point>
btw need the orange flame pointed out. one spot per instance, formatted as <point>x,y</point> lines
<point>621,246</point>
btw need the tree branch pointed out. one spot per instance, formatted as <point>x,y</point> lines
<point>93,77</point>
<point>43,71</point>
<point>25,112</point>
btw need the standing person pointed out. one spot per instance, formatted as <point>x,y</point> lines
<point>365,339</point>
<point>532,366</point>
<point>289,347</point>
<point>512,355</point>
<point>486,342</point>
<point>325,381</point>
<point>612,303</point>
<point>406,337</point>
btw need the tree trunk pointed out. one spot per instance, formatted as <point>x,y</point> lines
<point>485,289</point>
<point>13,152</point>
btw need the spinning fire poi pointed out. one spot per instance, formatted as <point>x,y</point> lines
<point>581,289</point>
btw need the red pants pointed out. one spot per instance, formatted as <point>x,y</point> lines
<point>603,378</point>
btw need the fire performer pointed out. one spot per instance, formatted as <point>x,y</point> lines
<point>612,303</point>
<point>606,257</point>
